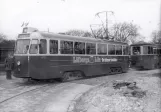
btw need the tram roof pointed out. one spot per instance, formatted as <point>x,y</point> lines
<point>145,43</point>
<point>77,38</point>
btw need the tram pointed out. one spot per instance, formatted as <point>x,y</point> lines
<point>145,55</point>
<point>45,55</point>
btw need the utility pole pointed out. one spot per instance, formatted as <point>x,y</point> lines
<point>106,30</point>
<point>107,25</point>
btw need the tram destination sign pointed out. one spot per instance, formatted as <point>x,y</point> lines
<point>23,35</point>
<point>93,59</point>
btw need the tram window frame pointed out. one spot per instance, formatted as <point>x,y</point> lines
<point>91,50</point>
<point>137,52</point>
<point>154,50</point>
<point>101,49</point>
<point>22,46</point>
<point>63,50</point>
<point>80,49</point>
<point>159,51</point>
<point>113,52</point>
<point>43,50</point>
<point>150,50</point>
<point>125,50</point>
<point>55,49</point>
<point>118,49</point>
<point>147,50</point>
<point>36,47</point>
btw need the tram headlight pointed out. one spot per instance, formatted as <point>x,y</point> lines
<point>18,63</point>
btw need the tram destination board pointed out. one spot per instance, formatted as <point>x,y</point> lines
<point>23,35</point>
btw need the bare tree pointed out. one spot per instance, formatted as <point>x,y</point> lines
<point>98,33</point>
<point>6,43</point>
<point>80,33</point>
<point>156,37</point>
<point>2,37</point>
<point>139,38</point>
<point>124,32</point>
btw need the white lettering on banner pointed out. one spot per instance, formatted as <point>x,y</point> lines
<point>109,60</point>
<point>80,60</point>
<point>92,60</point>
<point>97,59</point>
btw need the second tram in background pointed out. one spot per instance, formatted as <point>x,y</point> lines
<point>145,56</point>
<point>44,55</point>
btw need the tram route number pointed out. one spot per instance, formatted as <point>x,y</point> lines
<point>92,59</point>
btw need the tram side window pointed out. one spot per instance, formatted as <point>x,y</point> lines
<point>145,49</point>
<point>150,50</point>
<point>79,48</point>
<point>136,50</point>
<point>118,50</point>
<point>111,49</point>
<point>53,46</point>
<point>42,47</point>
<point>34,47</point>
<point>155,50</point>
<point>158,51</point>
<point>90,48</point>
<point>125,50</point>
<point>102,49</point>
<point>66,47</point>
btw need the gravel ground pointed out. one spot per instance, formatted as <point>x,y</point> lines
<point>101,98</point>
<point>105,98</point>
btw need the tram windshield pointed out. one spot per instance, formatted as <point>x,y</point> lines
<point>34,46</point>
<point>136,50</point>
<point>22,46</point>
<point>37,45</point>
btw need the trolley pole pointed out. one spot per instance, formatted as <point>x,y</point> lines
<point>107,25</point>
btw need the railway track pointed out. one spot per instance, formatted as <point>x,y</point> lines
<point>20,89</point>
<point>11,85</point>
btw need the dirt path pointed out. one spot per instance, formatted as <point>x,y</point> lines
<point>59,97</point>
<point>55,98</point>
<point>104,98</point>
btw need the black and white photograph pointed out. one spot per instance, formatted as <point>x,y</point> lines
<point>80,56</point>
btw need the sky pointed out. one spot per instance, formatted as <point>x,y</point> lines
<point>63,15</point>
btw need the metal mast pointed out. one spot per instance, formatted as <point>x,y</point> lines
<point>106,30</point>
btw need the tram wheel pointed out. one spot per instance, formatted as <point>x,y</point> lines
<point>65,76</point>
<point>115,70</point>
<point>72,75</point>
<point>78,74</point>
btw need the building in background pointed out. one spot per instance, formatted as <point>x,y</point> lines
<point>6,47</point>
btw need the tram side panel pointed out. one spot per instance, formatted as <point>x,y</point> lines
<point>40,67</point>
<point>148,61</point>
<point>46,67</point>
<point>145,61</point>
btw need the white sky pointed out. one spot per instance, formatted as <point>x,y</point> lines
<point>59,15</point>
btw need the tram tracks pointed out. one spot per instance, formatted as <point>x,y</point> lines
<point>18,90</point>
<point>4,99</point>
